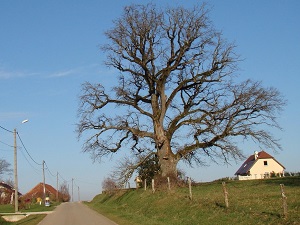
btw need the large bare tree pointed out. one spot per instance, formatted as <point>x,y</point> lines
<point>177,94</point>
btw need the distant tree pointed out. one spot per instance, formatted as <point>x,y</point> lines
<point>64,192</point>
<point>109,185</point>
<point>176,96</point>
<point>4,167</point>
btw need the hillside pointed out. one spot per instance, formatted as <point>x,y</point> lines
<point>250,202</point>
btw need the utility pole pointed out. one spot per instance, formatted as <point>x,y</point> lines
<point>44,187</point>
<point>78,195</point>
<point>16,169</point>
<point>16,172</point>
<point>57,187</point>
<point>72,189</point>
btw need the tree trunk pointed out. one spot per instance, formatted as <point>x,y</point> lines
<point>167,162</point>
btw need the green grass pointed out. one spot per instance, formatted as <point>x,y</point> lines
<point>33,208</point>
<point>30,220</point>
<point>250,202</point>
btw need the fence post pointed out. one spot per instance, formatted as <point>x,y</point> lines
<point>169,185</point>
<point>190,188</point>
<point>145,184</point>
<point>284,202</point>
<point>153,189</point>
<point>225,194</point>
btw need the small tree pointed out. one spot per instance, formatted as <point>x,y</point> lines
<point>148,169</point>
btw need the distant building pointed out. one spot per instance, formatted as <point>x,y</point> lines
<point>36,194</point>
<point>258,166</point>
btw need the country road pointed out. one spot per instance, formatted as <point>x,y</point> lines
<point>75,213</point>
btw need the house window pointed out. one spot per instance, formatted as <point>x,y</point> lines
<point>265,163</point>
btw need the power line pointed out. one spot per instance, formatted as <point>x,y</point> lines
<point>64,178</point>
<point>49,170</point>
<point>86,182</point>
<point>35,169</point>
<point>6,144</point>
<point>6,129</point>
<point>27,151</point>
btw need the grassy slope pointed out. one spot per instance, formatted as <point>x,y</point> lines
<point>250,202</point>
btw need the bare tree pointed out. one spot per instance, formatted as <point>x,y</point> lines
<point>109,185</point>
<point>64,192</point>
<point>4,167</point>
<point>176,96</point>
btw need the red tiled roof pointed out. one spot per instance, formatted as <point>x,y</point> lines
<point>38,191</point>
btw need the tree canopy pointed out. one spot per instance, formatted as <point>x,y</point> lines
<point>177,94</point>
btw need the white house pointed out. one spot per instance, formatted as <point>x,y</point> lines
<point>258,166</point>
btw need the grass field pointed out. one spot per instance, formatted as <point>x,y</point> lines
<point>250,202</point>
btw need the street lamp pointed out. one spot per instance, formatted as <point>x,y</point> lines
<point>16,169</point>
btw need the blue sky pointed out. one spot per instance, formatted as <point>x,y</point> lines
<point>49,48</point>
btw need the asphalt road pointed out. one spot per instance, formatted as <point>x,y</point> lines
<point>75,213</point>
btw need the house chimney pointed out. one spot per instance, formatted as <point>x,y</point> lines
<point>255,155</point>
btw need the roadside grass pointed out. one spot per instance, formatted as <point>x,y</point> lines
<point>250,202</point>
<point>33,208</point>
<point>31,219</point>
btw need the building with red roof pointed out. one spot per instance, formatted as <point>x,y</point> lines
<point>38,192</point>
<point>258,166</point>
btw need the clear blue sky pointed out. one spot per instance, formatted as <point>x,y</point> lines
<point>49,48</point>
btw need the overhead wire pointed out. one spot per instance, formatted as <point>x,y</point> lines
<point>39,164</point>
<point>35,169</point>
<point>27,151</point>
<point>6,129</point>
<point>9,132</point>
<point>6,144</point>
<point>49,170</point>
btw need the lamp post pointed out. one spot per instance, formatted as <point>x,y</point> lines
<point>16,169</point>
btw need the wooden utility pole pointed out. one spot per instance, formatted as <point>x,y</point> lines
<point>16,172</point>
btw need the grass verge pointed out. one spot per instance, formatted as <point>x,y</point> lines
<point>31,219</point>
<point>250,202</point>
